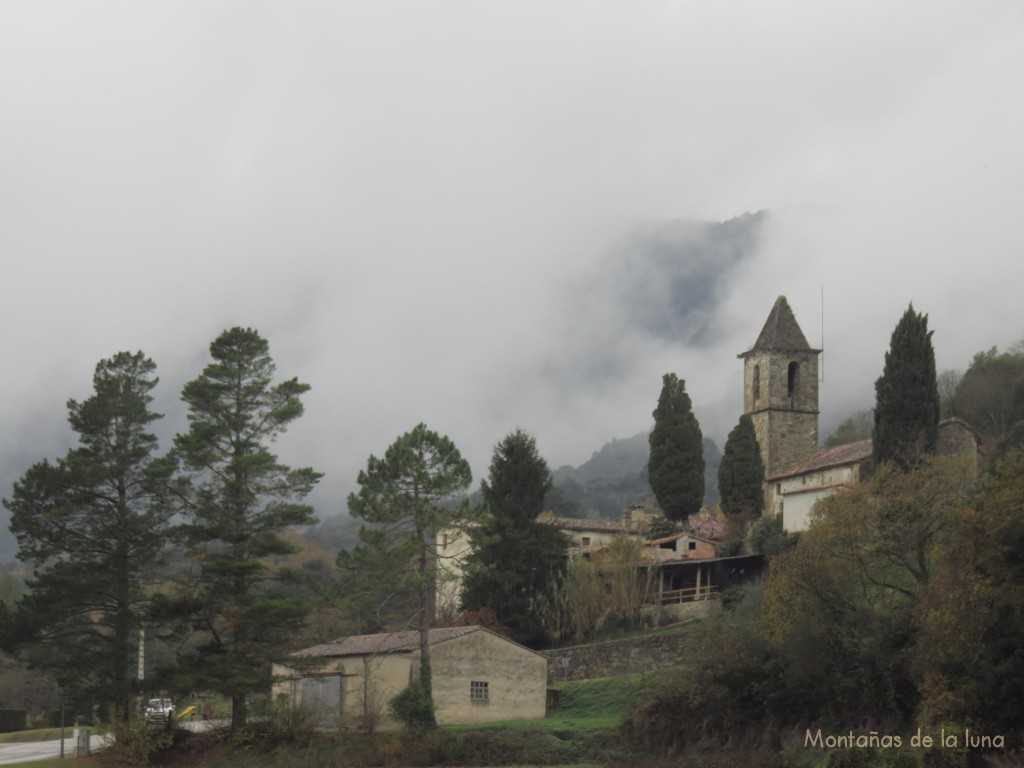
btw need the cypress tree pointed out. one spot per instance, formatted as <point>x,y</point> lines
<point>676,463</point>
<point>907,395</point>
<point>741,473</point>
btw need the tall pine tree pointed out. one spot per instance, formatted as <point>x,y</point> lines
<point>741,473</point>
<point>94,527</point>
<point>907,395</point>
<point>676,464</point>
<point>402,496</point>
<point>515,561</point>
<point>241,501</point>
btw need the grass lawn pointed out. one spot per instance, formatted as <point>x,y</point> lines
<point>598,703</point>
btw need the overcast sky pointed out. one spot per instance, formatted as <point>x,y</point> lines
<point>417,203</point>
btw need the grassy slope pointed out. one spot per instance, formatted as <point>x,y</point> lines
<point>589,704</point>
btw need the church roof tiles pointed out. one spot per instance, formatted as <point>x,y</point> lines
<point>851,453</point>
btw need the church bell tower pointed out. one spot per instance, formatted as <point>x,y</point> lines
<point>780,390</point>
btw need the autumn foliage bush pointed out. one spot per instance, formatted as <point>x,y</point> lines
<point>900,608</point>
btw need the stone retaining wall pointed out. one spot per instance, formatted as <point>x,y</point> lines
<point>619,657</point>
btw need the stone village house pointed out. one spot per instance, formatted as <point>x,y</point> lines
<point>673,570</point>
<point>477,676</point>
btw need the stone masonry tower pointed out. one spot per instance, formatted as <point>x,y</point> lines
<point>780,390</point>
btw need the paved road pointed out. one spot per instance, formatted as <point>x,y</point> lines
<point>32,750</point>
<point>40,750</point>
<point>25,751</point>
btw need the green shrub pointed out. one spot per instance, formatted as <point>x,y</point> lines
<point>732,597</point>
<point>729,548</point>
<point>512,746</point>
<point>279,722</point>
<point>413,707</point>
<point>137,741</point>
<point>723,699</point>
<point>767,536</point>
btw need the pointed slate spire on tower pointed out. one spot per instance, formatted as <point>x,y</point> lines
<point>781,332</point>
<point>780,391</point>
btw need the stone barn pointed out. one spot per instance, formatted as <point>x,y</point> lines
<point>478,676</point>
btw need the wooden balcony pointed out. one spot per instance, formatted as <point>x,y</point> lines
<point>688,595</point>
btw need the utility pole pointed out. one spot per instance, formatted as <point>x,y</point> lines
<point>142,653</point>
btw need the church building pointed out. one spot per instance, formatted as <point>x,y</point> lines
<point>780,393</point>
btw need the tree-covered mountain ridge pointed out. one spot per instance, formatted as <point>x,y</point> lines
<point>615,476</point>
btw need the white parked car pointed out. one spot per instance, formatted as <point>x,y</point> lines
<point>159,709</point>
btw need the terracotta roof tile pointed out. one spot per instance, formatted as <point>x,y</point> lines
<point>387,642</point>
<point>850,453</point>
<point>578,524</point>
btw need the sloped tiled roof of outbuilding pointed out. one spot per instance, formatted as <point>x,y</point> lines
<point>386,642</point>
<point>838,456</point>
<point>781,332</point>
<point>579,524</point>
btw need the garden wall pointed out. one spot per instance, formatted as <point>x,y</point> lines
<point>619,657</point>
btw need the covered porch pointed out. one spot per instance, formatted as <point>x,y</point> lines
<point>702,579</point>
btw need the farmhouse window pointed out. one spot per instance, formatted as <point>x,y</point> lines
<point>478,691</point>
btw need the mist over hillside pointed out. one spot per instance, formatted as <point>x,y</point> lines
<point>673,274</point>
<point>654,288</point>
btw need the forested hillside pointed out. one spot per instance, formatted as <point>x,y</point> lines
<point>616,476</point>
